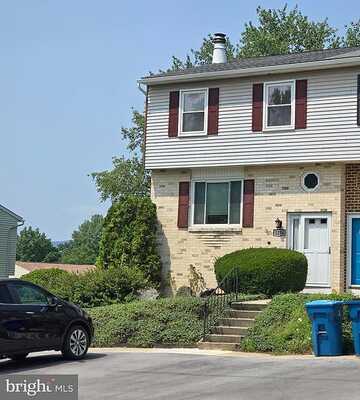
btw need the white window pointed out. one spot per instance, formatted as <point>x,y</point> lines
<point>217,203</point>
<point>279,105</point>
<point>193,109</point>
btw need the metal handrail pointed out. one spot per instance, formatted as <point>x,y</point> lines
<point>220,299</point>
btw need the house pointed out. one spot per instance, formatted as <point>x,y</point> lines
<point>22,267</point>
<point>9,222</point>
<point>259,152</point>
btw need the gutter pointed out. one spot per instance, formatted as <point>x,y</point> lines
<point>236,73</point>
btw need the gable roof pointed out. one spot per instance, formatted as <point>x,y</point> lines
<point>20,219</point>
<point>76,268</point>
<point>245,66</point>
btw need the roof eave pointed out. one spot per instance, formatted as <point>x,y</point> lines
<point>268,70</point>
<point>20,219</point>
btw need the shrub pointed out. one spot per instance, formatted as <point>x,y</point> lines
<point>265,270</point>
<point>129,238</point>
<point>284,327</point>
<point>93,288</point>
<point>170,321</point>
<point>56,281</point>
<point>100,287</point>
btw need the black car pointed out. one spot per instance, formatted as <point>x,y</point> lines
<point>32,319</point>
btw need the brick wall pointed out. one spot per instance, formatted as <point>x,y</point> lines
<point>352,197</point>
<point>277,192</point>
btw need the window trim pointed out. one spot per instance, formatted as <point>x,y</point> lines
<point>304,187</point>
<point>292,104</point>
<point>216,180</point>
<point>204,91</point>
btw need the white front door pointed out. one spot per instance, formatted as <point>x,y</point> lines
<point>310,234</point>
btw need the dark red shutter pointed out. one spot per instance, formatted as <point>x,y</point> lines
<point>358,101</point>
<point>213,111</point>
<point>301,104</point>
<point>173,113</point>
<point>248,203</point>
<point>257,107</point>
<point>183,210</point>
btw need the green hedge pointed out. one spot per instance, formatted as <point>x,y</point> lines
<point>265,270</point>
<point>167,322</point>
<point>284,327</point>
<point>91,289</point>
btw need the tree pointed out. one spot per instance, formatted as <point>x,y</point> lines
<point>84,246</point>
<point>129,238</point>
<point>128,176</point>
<point>32,245</point>
<point>277,31</point>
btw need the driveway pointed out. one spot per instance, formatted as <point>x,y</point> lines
<point>183,375</point>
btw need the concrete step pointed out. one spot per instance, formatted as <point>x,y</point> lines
<point>224,338</point>
<point>248,306</point>
<point>242,313</point>
<point>245,322</point>
<point>230,330</point>
<point>218,346</point>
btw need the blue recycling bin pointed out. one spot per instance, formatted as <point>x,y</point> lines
<point>326,318</point>
<point>354,314</point>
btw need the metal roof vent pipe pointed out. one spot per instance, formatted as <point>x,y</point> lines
<point>219,54</point>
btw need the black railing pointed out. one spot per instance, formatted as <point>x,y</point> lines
<point>220,300</point>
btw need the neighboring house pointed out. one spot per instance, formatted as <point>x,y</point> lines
<point>22,267</point>
<point>9,222</point>
<point>238,149</point>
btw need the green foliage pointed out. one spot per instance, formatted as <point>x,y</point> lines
<point>129,238</point>
<point>56,281</point>
<point>128,176</point>
<point>172,321</point>
<point>101,287</point>
<point>93,288</point>
<point>265,270</point>
<point>283,327</point>
<point>84,246</point>
<point>276,31</point>
<point>32,245</point>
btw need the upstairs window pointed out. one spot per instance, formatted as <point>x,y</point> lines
<point>193,108</point>
<point>279,105</point>
<point>217,202</point>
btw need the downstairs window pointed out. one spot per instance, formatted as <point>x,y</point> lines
<point>217,202</point>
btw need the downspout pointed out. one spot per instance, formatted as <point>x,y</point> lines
<point>8,244</point>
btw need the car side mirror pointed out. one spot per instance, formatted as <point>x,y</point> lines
<point>53,302</point>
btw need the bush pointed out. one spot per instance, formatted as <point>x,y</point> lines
<point>284,327</point>
<point>265,270</point>
<point>129,238</point>
<point>93,288</point>
<point>101,287</point>
<point>171,321</point>
<point>56,281</point>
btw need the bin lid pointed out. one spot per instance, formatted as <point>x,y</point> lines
<point>323,303</point>
<point>352,302</point>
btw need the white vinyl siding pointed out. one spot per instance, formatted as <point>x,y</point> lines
<point>8,237</point>
<point>332,133</point>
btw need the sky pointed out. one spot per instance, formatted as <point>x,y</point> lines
<point>68,72</point>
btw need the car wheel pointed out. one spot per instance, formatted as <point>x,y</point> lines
<point>18,357</point>
<point>76,343</point>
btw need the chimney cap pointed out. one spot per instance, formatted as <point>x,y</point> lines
<point>219,38</point>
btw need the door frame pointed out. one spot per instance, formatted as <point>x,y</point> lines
<point>303,215</point>
<point>350,217</point>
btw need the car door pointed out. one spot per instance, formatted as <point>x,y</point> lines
<point>41,325</point>
<point>10,332</point>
